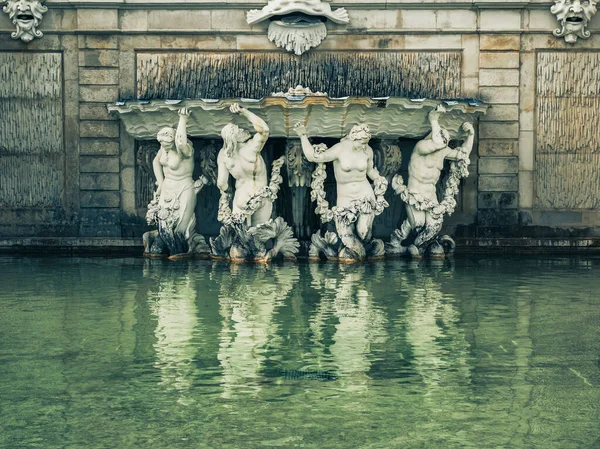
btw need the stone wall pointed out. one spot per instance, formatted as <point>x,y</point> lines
<point>536,171</point>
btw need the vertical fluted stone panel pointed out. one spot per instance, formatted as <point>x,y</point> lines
<point>31,130</point>
<point>254,74</point>
<point>567,158</point>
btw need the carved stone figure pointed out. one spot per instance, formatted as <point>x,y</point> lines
<point>425,214</point>
<point>172,208</point>
<point>573,17</point>
<point>26,15</point>
<point>248,229</point>
<point>297,25</point>
<point>358,202</point>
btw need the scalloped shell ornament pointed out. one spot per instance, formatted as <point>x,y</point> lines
<point>297,25</point>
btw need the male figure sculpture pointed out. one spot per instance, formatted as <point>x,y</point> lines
<point>357,202</point>
<point>424,212</point>
<point>248,225</point>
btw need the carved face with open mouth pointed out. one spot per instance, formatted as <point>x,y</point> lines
<point>26,15</point>
<point>297,25</point>
<point>573,17</point>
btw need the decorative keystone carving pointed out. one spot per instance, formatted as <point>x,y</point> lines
<point>573,17</point>
<point>26,15</point>
<point>297,25</point>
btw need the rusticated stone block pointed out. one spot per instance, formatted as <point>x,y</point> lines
<point>497,200</point>
<point>98,164</point>
<point>98,42</point>
<point>98,76</point>
<point>99,94</point>
<point>102,217</point>
<point>97,19</point>
<point>502,113</point>
<point>495,60</point>
<point>498,147</point>
<point>98,129</point>
<point>497,217</point>
<point>499,77</point>
<point>498,165</point>
<point>99,58</point>
<point>100,199</point>
<point>560,218</point>
<point>98,147</point>
<point>95,111</point>
<point>99,181</point>
<point>500,42</point>
<point>500,95</point>
<point>499,130</point>
<point>492,183</point>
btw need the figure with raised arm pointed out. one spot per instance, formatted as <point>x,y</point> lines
<point>358,202</point>
<point>425,214</point>
<point>247,225</point>
<point>174,203</point>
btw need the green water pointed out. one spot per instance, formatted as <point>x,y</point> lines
<point>127,353</point>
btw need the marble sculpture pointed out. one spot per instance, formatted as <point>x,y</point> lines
<point>358,202</point>
<point>248,231</point>
<point>573,17</point>
<point>26,15</point>
<point>174,203</point>
<point>425,214</point>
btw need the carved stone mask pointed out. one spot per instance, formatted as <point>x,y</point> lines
<point>297,25</point>
<point>573,17</point>
<point>26,15</point>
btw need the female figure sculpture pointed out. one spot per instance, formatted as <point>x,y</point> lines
<point>248,225</point>
<point>425,214</point>
<point>174,203</point>
<point>357,201</point>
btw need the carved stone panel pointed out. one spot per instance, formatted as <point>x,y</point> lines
<point>567,154</point>
<point>180,75</point>
<point>31,130</point>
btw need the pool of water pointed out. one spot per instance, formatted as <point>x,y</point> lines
<point>130,353</point>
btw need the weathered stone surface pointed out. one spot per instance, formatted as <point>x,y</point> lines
<point>99,58</point>
<point>500,95</point>
<point>500,19</point>
<point>498,165</point>
<point>99,147</point>
<point>502,42</point>
<point>498,147</point>
<point>99,199</point>
<point>502,113</point>
<point>102,217</point>
<point>98,42</point>
<point>98,129</point>
<point>494,183</point>
<point>499,130</point>
<point>499,60</point>
<point>97,19</point>
<point>499,77</point>
<point>95,111</point>
<point>497,200</point>
<point>497,217</point>
<point>560,218</point>
<point>98,76</point>
<point>99,94</point>
<point>192,20</point>
<point>99,181</point>
<point>98,164</point>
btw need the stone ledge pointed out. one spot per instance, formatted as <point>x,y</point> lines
<point>96,245</point>
<point>527,245</point>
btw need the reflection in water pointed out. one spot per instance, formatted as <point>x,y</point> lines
<point>346,295</point>
<point>433,328</point>
<point>173,304</point>
<point>249,297</point>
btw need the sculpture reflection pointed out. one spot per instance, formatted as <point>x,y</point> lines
<point>347,301</point>
<point>249,298</point>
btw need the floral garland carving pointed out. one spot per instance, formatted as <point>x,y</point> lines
<point>458,170</point>
<point>269,192</point>
<point>350,214</point>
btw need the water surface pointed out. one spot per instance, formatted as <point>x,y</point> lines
<point>130,353</point>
